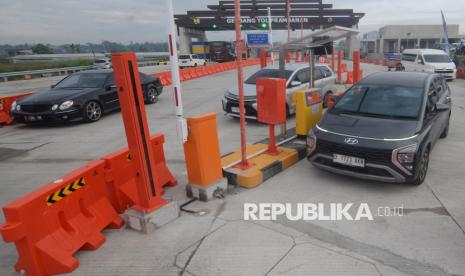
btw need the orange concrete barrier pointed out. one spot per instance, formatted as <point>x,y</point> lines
<point>49,225</point>
<point>202,150</point>
<point>6,117</point>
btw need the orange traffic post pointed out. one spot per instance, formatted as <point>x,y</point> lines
<point>356,65</point>
<point>339,66</point>
<point>149,187</point>
<point>271,106</point>
<point>262,58</point>
<point>203,158</point>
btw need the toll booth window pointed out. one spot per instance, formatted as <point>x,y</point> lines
<point>267,73</point>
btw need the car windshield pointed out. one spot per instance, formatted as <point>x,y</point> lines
<point>184,57</point>
<point>437,58</point>
<point>83,81</point>
<point>394,102</point>
<point>267,73</point>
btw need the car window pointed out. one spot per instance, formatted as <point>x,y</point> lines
<point>437,58</point>
<point>382,101</point>
<point>111,80</point>
<point>303,76</point>
<point>409,57</point>
<point>327,73</point>
<point>85,80</point>
<point>184,57</point>
<point>267,73</point>
<point>318,75</point>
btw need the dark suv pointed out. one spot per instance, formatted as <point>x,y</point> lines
<point>383,128</point>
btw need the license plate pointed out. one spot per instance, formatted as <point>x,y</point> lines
<point>234,109</point>
<point>349,160</point>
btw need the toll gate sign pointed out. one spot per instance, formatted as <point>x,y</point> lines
<point>258,39</point>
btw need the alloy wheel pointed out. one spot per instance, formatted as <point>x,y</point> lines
<point>93,111</point>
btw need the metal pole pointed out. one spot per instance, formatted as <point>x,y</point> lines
<point>240,79</point>
<point>288,20</point>
<point>282,73</point>
<point>312,69</point>
<point>271,35</point>
<point>181,125</point>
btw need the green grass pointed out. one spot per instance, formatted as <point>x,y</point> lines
<point>39,65</point>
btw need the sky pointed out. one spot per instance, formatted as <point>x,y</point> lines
<point>81,21</point>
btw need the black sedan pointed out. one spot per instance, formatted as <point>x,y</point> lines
<point>383,128</point>
<point>86,95</point>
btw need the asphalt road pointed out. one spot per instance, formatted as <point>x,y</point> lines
<point>428,240</point>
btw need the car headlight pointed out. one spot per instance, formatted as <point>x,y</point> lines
<point>66,105</point>
<point>405,156</point>
<point>13,105</point>
<point>18,107</point>
<point>54,107</point>
<point>311,142</point>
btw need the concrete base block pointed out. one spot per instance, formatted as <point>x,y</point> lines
<point>205,193</point>
<point>147,222</point>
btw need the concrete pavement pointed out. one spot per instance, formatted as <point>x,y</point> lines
<point>428,240</point>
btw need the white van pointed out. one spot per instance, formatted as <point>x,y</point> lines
<point>104,63</point>
<point>428,60</point>
<point>191,61</point>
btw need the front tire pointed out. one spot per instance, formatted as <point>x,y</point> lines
<point>151,95</point>
<point>423,169</point>
<point>92,112</point>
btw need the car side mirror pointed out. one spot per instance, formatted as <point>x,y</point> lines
<point>295,83</point>
<point>441,107</point>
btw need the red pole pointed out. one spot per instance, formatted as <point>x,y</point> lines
<point>339,66</point>
<point>356,67</point>
<point>272,149</point>
<point>240,79</point>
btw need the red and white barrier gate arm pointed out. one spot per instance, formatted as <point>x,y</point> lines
<point>181,125</point>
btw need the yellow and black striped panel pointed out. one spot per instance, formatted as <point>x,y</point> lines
<point>65,191</point>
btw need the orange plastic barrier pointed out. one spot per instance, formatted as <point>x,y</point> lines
<point>120,174</point>
<point>343,68</point>
<point>460,73</point>
<point>202,150</point>
<point>350,78</point>
<point>6,117</point>
<point>49,225</point>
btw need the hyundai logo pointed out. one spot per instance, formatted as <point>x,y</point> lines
<point>351,141</point>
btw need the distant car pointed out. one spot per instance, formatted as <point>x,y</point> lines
<point>191,61</point>
<point>297,77</point>
<point>428,60</point>
<point>104,63</point>
<point>85,95</point>
<point>383,128</point>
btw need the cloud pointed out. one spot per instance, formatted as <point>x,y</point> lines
<point>80,21</point>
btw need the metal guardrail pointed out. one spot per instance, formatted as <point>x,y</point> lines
<point>67,70</point>
<point>58,71</point>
